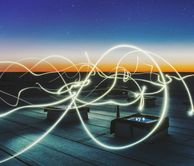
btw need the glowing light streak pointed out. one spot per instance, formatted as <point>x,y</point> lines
<point>73,90</point>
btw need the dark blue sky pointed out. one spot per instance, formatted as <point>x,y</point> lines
<point>97,20</point>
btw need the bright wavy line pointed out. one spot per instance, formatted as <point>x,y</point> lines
<point>17,97</point>
<point>38,105</point>
<point>190,112</point>
<point>74,95</point>
<point>164,110</point>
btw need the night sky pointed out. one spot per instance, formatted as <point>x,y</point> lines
<point>39,28</point>
<point>113,20</point>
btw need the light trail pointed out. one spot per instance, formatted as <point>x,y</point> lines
<point>72,91</point>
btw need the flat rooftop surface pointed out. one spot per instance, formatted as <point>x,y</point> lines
<point>68,144</point>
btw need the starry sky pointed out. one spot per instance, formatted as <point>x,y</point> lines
<point>40,27</point>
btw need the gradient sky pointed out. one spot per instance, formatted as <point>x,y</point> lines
<point>69,27</point>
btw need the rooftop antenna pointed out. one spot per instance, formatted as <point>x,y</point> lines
<point>118,111</point>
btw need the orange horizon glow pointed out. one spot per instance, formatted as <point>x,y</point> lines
<point>105,67</point>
